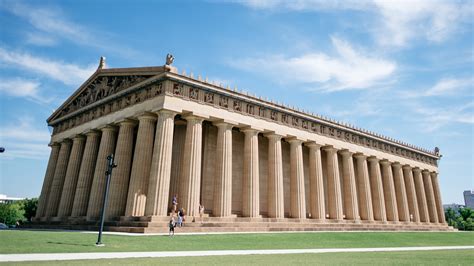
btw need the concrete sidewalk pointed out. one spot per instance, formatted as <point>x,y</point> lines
<point>124,255</point>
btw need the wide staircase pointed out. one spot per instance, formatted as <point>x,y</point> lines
<point>237,224</point>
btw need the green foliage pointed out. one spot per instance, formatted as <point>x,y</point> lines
<point>29,206</point>
<point>463,220</point>
<point>11,213</point>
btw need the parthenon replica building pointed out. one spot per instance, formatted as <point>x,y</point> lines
<point>255,165</point>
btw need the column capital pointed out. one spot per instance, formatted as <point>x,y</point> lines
<point>108,128</point>
<point>126,122</point>
<point>434,174</point>
<point>329,149</point>
<point>385,162</point>
<point>345,152</point>
<point>165,113</point>
<point>425,171</point>
<point>396,165</point>
<point>294,141</point>
<point>66,141</point>
<point>273,136</point>
<point>373,159</point>
<point>359,155</point>
<point>78,137</point>
<point>55,144</point>
<point>91,132</point>
<point>193,118</point>
<point>313,145</point>
<point>249,130</point>
<point>406,167</point>
<point>223,125</point>
<point>416,169</point>
<point>146,116</point>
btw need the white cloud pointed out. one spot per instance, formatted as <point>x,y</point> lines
<point>40,39</point>
<point>70,74</point>
<point>22,140</point>
<point>396,23</point>
<point>434,118</point>
<point>349,69</point>
<point>444,87</point>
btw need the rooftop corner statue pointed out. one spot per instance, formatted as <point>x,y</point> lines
<point>256,165</point>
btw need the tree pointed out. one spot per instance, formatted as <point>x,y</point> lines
<point>450,215</point>
<point>462,220</point>
<point>29,206</point>
<point>11,213</point>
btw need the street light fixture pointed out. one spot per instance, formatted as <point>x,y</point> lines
<point>108,173</point>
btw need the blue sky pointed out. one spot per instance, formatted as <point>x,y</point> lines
<point>404,69</point>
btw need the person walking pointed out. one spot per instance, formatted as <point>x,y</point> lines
<point>171,225</point>
<point>175,203</point>
<point>201,211</point>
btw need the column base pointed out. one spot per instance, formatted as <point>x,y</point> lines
<point>58,219</point>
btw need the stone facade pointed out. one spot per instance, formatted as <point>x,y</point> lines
<point>238,155</point>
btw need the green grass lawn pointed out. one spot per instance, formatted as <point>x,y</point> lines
<point>451,257</point>
<point>60,242</point>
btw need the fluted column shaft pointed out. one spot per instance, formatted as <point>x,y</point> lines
<point>363,185</point>
<point>297,197</point>
<point>378,200</point>
<point>389,191</point>
<point>121,174</point>
<point>275,177</point>
<point>72,173</point>
<point>333,185</point>
<point>140,174</point>
<point>420,195</point>
<point>250,183</point>
<point>439,203</point>
<point>223,179</point>
<point>192,158</point>
<point>316,183</point>
<point>402,202</point>
<point>350,192</point>
<point>159,180</point>
<point>411,193</point>
<point>430,197</point>
<point>48,180</point>
<point>179,136</point>
<point>86,174</point>
<point>106,147</point>
<point>58,180</point>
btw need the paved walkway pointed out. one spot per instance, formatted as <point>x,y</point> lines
<point>124,255</point>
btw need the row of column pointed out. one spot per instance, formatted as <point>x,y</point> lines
<point>367,189</point>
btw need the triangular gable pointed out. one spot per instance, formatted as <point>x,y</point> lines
<point>102,84</point>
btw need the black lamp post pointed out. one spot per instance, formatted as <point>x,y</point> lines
<point>2,149</point>
<point>108,173</point>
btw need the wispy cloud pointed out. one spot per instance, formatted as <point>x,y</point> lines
<point>348,69</point>
<point>444,87</point>
<point>434,118</point>
<point>23,140</point>
<point>22,88</point>
<point>67,73</point>
<point>52,25</point>
<point>396,23</point>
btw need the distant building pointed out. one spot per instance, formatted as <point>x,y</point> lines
<point>454,206</point>
<point>5,199</point>
<point>469,199</point>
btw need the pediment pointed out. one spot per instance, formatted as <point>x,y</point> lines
<point>102,84</point>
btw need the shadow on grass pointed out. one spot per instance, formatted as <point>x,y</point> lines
<point>68,244</point>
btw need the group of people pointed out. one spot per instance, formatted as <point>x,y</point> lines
<point>180,215</point>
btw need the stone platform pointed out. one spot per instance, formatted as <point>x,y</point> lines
<point>237,224</point>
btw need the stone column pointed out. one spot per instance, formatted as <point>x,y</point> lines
<point>177,160</point>
<point>430,197</point>
<point>316,183</point>
<point>275,177</point>
<point>223,179</point>
<point>250,182</point>
<point>297,197</point>
<point>58,179</point>
<point>411,194</point>
<point>106,147</point>
<point>191,178</point>
<point>48,180</point>
<point>402,202</point>
<point>389,191</point>
<point>138,187</point>
<point>159,181</point>
<point>86,174</point>
<point>349,189</point>
<point>121,174</point>
<point>420,195</point>
<point>377,190</point>
<point>333,185</point>
<point>363,185</point>
<point>437,193</point>
<point>72,173</point>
